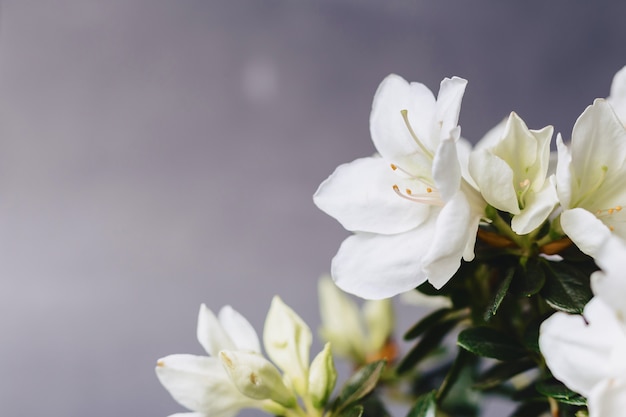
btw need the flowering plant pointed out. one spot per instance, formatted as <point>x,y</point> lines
<point>521,249</point>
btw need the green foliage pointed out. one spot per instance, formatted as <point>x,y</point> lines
<point>490,343</point>
<point>357,387</point>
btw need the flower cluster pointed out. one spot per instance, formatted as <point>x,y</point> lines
<point>519,251</point>
<point>415,208</point>
<point>236,375</point>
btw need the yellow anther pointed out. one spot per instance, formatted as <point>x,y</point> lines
<point>408,191</point>
<point>429,190</point>
<point>611,228</point>
<point>396,188</point>
<point>618,208</point>
<point>610,211</point>
<point>394,167</point>
<point>160,364</point>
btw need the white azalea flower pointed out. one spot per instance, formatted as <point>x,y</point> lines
<point>588,353</point>
<point>511,172</point>
<point>617,97</point>
<point>200,383</point>
<point>590,178</point>
<point>358,335</point>
<point>413,215</point>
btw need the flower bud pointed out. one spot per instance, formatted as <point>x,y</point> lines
<point>380,321</point>
<point>322,377</point>
<point>256,377</point>
<point>287,340</point>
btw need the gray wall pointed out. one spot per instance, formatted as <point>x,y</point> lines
<point>159,154</point>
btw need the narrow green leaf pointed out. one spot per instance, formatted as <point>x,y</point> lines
<point>425,406</point>
<point>500,294</point>
<point>490,343</point>
<point>425,323</point>
<point>567,288</point>
<point>353,411</point>
<point>373,406</point>
<point>502,372</point>
<point>429,341</point>
<point>359,385</point>
<point>555,389</point>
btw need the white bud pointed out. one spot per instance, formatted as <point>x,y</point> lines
<point>287,340</point>
<point>256,377</point>
<point>322,377</point>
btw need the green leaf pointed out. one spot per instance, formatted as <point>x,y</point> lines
<point>490,343</point>
<point>425,406</point>
<point>430,341</point>
<point>425,323</point>
<point>555,389</point>
<point>530,278</point>
<point>502,372</point>
<point>567,288</point>
<point>359,385</point>
<point>353,411</point>
<point>374,407</point>
<point>502,291</point>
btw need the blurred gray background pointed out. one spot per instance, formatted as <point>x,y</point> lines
<point>155,155</point>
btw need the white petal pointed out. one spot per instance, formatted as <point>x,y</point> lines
<point>239,330</point>
<point>610,283</point>
<point>494,178</point>
<point>387,127</point>
<point>618,94</point>
<point>211,334</point>
<point>449,99</point>
<point>585,230</point>
<point>201,384</point>
<point>608,398</point>
<point>579,354</point>
<point>360,196</point>
<point>448,244</point>
<point>446,167</point>
<point>563,173</point>
<point>538,207</point>
<point>380,266</point>
<point>598,150</point>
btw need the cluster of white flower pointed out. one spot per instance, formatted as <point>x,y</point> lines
<point>415,207</point>
<point>588,353</point>
<point>236,375</point>
<point>532,226</point>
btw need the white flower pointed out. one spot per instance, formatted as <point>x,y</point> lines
<point>358,335</point>
<point>511,172</point>
<point>287,340</point>
<point>200,383</point>
<point>617,97</point>
<point>412,214</point>
<point>590,178</point>
<point>588,353</point>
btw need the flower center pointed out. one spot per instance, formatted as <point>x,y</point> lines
<point>429,196</point>
<point>607,214</point>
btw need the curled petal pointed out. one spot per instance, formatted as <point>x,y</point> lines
<point>608,398</point>
<point>449,99</point>
<point>494,178</point>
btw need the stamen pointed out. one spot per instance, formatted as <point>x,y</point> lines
<point>394,167</point>
<point>415,138</point>
<point>430,197</point>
